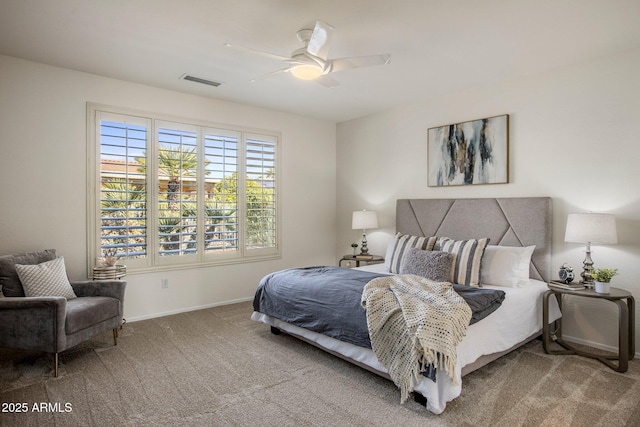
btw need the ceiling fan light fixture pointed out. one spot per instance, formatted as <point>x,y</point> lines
<point>306,71</point>
<point>311,62</point>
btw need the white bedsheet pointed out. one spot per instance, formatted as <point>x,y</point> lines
<point>519,317</point>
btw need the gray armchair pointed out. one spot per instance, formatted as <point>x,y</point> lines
<point>54,324</point>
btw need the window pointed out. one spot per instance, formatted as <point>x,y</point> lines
<point>173,193</point>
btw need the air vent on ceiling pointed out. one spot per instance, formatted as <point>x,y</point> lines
<point>200,80</point>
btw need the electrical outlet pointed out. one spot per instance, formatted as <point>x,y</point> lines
<point>164,283</point>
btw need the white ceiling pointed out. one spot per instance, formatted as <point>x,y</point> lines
<point>436,46</point>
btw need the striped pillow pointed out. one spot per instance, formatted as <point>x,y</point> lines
<point>400,244</point>
<point>468,257</point>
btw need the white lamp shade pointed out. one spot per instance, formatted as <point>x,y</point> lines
<point>591,228</point>
<point>364,220</point>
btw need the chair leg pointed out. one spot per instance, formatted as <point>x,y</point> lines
<point>115,336</point>
<point>55,364</point>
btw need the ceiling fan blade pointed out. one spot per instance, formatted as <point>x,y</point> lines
<point>320,40</point>
<point>273,73</point>
<point>327,81</point>
<point>342,64</point>
<point>256,51</point>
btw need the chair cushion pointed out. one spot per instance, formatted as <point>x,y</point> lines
<point>84,312</point>
<point>9,281</point>
<point>47,279</point>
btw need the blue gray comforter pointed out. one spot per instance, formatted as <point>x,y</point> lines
<point>327,300</point>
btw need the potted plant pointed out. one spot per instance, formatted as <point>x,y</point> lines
<point>603,277</point>
<point>354,246</point>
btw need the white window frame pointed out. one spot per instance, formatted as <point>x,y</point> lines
<point>153,122</point>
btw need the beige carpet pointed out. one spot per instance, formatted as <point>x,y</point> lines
<point>216,367</point>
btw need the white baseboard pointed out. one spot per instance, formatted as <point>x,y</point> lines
<point>594,344</point>
<point>185,310</point>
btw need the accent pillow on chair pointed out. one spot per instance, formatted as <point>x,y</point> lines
<point>47,279</point>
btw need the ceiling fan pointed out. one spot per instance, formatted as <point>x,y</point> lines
<point>311,61</point>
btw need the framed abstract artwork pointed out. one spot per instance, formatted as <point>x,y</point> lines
<point>469,153</point>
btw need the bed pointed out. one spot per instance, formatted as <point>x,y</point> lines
<point>511,225</point>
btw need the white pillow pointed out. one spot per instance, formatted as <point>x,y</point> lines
<point>506,265</point>
<point>47,279</point>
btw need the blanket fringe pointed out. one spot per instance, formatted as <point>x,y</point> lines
<point>414,322</point>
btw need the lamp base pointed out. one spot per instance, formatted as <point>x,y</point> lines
<point>587,267</point>
<point>364,250</point>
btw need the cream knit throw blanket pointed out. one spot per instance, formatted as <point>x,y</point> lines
<point>414,322</point>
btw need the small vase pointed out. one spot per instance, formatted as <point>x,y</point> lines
<point>603,288</point>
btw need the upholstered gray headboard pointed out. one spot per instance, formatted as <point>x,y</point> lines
<point>507,222</point>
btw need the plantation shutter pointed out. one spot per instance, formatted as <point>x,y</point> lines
<point>123,186</point>
<point>221,154</point>
<point>261,193</point>
<point>167,193</point>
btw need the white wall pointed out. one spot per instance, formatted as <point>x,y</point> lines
<point>574,136</point>
<point>43,180</point>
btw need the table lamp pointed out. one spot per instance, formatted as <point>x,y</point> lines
<point>590,228</point>
<point>364,220</point>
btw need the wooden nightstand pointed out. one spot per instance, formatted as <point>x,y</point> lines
<point>626,327</point>
<point>366,259</point>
